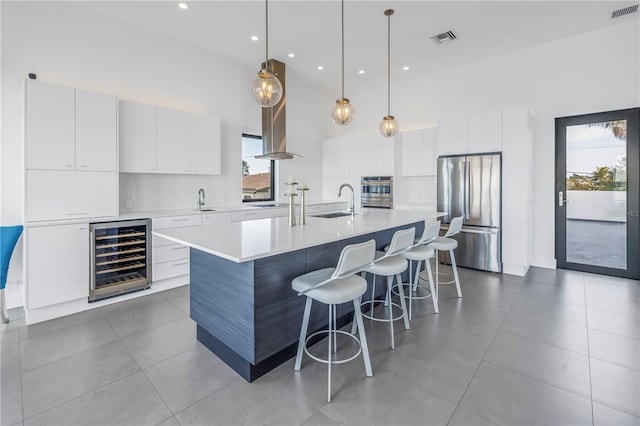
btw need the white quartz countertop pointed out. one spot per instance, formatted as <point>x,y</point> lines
<point>255,239</point>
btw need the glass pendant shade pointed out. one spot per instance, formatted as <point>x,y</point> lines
<point>342,112</point>
<point>389,126</point>
<point>266,89</point>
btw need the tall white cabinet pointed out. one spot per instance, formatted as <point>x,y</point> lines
<point>137,128</point>
<point>420,152</point>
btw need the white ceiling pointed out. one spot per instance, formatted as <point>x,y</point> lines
<point>311,29</point>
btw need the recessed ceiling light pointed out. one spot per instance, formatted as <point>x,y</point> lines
<point>291,55</point>
<point>405,68</point>
<point>361,72</point>
<point>183,6</point>
<point>320,67</point>
<point>254,38</point>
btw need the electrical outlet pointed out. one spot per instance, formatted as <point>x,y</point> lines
<point>128,204</point>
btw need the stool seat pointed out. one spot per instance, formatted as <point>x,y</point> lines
<point>388,266</point>
<point>418,253</point>
<point>338,291</point>
<point>444,244</point>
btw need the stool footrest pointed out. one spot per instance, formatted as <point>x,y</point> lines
<point>410,286</point>
<point>371,317</point>
<point>326,361</point>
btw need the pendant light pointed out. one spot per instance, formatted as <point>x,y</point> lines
<point>389,126</point>
<point>266,88</point>
<point>342,111</point>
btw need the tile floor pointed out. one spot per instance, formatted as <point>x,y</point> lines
<point>556,347</point>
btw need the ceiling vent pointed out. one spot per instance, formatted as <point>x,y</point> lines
<point>444,37</point>
<point>624,11</point>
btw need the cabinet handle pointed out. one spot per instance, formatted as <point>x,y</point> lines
<point>75,214</point>
<point>151,169</point>
<point>82,228</point>
<point>179,248</point>
<point>82,165</point>
<point>68,165</point>
<point>179,264</point>
<point>249,214</point>
<point>178,220</point>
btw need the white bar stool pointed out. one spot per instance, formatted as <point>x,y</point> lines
<point>334,286</point>
<point>422,252</point>
<point>388,265</point>
<point>445,243</point>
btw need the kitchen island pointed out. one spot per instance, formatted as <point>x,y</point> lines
<point>241,273</point>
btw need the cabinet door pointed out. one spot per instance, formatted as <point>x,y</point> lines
<point>385,155</point>
<point>485,132</point>
<point>430,151</point>
<point>137,126</point>
<point>50,127</point>
<point>335,158</point>
<point>173,141</point>
<point>205,138</point>
<point>453,136</point>
<point>57,264</point>
<point>96,127</point>
<point>412,153</point>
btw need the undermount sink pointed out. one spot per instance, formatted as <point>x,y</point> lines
<point>332,215</point>
<point>207,209</point>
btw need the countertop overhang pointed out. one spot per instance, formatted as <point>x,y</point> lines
<point>255,239</point>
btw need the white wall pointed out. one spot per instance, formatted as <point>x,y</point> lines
<point>592,72</point>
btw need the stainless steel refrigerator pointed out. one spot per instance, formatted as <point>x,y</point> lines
<point>471,186</point>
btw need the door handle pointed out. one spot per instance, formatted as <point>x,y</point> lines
<point>561,200</point>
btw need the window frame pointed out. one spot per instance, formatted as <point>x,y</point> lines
<point>272,177</point>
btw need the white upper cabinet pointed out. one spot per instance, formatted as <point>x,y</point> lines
<point>420,152</point>
<point>385,149</point>
<point>96,127</point>
<point>453,136</point>
<point>206,144</point>
<point>335,158</point>
<point>173,154</point>
<point>137,137</point>
<point>485,132</point>
<point>50,127</point>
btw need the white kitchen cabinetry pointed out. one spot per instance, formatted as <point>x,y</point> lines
<point>205,144</point>
<point>420,152</point>
<point>453,136</point>
<point>50,127</point>
<point>485,132</point>
<point>57,264</point>
<point>247,215</point>
<point>137,126</point>
<point>374,153</point>
<point>335,158</point>
<point>385,149</point>
<point>172,140</point>
<point>218,218</point>
<point>96,127</point>
<point>171,260</point>
<point>55,195</point>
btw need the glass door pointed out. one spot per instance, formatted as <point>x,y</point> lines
<point>597,212</point>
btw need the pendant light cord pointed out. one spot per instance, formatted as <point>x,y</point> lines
<point>389,64</point>
<point>342,49</point>
<point>266,39</point>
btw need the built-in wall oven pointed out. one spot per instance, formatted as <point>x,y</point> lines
<point>120,257</point>
<point>377,191</point>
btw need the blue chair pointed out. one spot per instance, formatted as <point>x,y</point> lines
<point>9,236</point>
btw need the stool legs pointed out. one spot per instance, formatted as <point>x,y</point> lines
<point>455,272</point>
<point>303,333</point>
<point>3,308</point>
<point>331,340</point>
<point>390,311</point>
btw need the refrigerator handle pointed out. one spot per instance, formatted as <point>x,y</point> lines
<point>467,191</point>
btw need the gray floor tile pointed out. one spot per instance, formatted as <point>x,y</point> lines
<point>607,416</point>
<point>500,296</point>
<point>319,419</point>
<point>163,342</point>
<point>474,311</point>
<point>189,377</point>
<point>240,403</point>
<point>144,318</point>
<point>555,333</point>
<point>61,381</point>
<point>435,368</point>
<point>61,344</point>
<point>11,402</point>
<point>182,302</point>
<point>508,398</point>
<point>10,332</point>
<point>616,386</point>
<point>46,327</point>
<point>454,333</point>
<point>559,311</point>
<point>465,418</point>
<point>616,287</point>
<point>176,292</point>
<point>129,401</point>
<point>615,304</point>
<point>557,277</point>
<point>549,364</point>
<point>619,350</point>
<point>622,325</point>
<point>560,294</point>
<point>171,421</point>
<point>387,399</point>
<point>10,360</point>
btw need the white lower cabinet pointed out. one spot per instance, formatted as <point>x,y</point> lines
<point>171,260</point>
<point>57,264</point>
<point>247,215</point>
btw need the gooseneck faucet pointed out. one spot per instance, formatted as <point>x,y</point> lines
<point>351,209</point>
<point>200,198</point>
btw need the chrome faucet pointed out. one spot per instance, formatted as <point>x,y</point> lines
<point>200,198</point>
<point>351,208</point>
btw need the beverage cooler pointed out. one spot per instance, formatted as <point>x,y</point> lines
<point>120,258</point>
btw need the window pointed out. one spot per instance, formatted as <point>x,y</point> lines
<point>257,175</point>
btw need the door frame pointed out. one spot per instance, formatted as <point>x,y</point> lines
<point>632,115</point>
